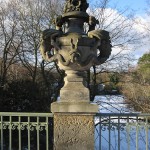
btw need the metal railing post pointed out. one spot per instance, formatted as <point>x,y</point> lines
<point>128,134</point>
<point>10,132</point>
<point>19,128</point>
<point>47,139</point>
<point>146,130</point>
<point>118,132</point>
<point>29,133</point>
<point>109,134</point>
<point>2,133</point>
<point>38,134</point>
<point>137,133</point>
<point>100,138</point>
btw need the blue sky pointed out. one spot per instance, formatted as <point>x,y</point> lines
<point>137,5</point>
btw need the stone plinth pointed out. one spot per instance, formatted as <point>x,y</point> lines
<point>74,107</point>
<point>74,96</point>
<point>73,131</point>
<point>74,89</point>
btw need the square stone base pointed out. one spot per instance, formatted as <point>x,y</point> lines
<point>83,107</point>
<point>73,131</point>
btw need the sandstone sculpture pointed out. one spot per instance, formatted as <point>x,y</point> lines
<point>75,50</point>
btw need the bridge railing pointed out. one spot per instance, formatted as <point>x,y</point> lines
<point>26,131</point>
<point>34,131</point>
<point>125,131</point>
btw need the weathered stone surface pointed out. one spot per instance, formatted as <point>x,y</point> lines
<point>74,90</point>
<point>73,131</point>
<point>75,5</point>
<point>74,96</point>
<point>75,49</point>
<point>83,107</point>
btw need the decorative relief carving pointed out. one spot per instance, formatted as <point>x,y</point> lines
<point>74,16</point>
<point>75,5</point>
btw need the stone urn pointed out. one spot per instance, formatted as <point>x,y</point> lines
<point>75,51</point>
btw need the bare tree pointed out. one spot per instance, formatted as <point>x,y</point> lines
<point>33,17</point>
<point>11,39</point>
<point>124,37</point>
<point>21,24</point>
<point>27,18</point>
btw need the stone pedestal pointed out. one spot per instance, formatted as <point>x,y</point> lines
<point>73,131</point>
<point>74,96</point>
<point>74,115</point>
<point>83,107</point>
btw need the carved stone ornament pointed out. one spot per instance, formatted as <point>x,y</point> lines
<point>75,5</point>
<point>73,49</point>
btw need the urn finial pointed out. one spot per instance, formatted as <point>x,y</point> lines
<point>75,5</point>
<point>92,48</point>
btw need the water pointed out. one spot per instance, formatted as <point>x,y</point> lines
<point>107,135</point>
<point>113,104</point>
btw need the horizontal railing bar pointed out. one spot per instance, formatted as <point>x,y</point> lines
<point>144,115</point>
<point>22,114</point>
<point>24,123</point>
<point>123,114</point>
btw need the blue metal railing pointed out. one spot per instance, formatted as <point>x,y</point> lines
<point>127,131</point>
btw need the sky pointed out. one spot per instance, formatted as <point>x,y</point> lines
<point>137,5</point>
<point>139,8</point>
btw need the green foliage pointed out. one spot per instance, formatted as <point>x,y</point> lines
<point>144,68</point>
<point>114,78</point>
<point>144,59</point>
<point>144,63</point>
